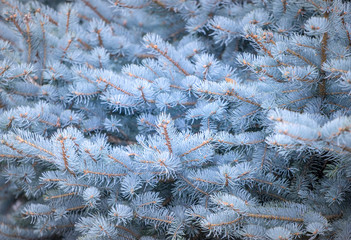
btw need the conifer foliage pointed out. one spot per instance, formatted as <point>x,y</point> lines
<point>175,119</point>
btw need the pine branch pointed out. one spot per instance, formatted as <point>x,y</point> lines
<point>94,9</point>
<point>163,53</point>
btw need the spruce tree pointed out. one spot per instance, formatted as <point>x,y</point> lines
<point>175,119</point>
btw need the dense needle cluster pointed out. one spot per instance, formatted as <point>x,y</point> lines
<point>175,119</point>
